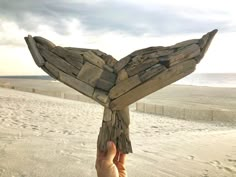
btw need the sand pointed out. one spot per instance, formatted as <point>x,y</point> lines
<point>43,136</point>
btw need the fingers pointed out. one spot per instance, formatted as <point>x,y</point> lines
<point>111,151</point>
<point>122,158</point>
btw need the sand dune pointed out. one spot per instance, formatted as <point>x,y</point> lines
<point>43,136</point>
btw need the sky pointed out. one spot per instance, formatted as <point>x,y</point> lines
<point>117,27</point>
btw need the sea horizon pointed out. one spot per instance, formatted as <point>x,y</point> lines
<point>195,79</point>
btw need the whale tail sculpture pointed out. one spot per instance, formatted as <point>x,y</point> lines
<point>117,84</point>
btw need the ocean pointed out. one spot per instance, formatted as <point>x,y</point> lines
<point>196,79</point>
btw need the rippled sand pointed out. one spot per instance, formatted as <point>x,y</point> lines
<point>43,136</point>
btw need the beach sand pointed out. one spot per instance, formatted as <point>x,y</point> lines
<point>43,136</point>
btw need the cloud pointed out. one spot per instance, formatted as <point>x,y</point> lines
<point>102,16</point>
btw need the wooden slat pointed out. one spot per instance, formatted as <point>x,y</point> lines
<point>34,51</point>
<point>163,79</point>
<point>121,63</point>
<point>122,75</point>
<point>104,84</point>
<point>181,55</point>
<point>101,97</point>
<point>44,42</point>
<point>124,86</point>
<point>76,84</point>
<point>156,69</point>
<point>106,75</point>
<point>107,115</point>
<point>108,68</point>
<point>90,74</point>
<point>94,59</point>
<point>52,69</point>
<point>58,62</point>
<point>185,43</point>
<point>109,60</point>
<point>71,57</point>
<point>133,68</point>
<point>207,44</point>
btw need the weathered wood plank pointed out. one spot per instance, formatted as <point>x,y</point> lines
<point>188,52</point>
<point>154,70</point>
<point>158,54</point>
<point>107,115</point>
<point>163,79</point>
<point>104,84</point>
<point>52,69</point>
<point>90,74</point>
<point>124,86</point>
<point>108,68</point>
<point>124,114</point>
<point>94,59</point>
<point>106,75</point>
<point>206,44</point>
<point>135,68</point>
<point>121,63</point>
<point>44,42</point>
<point>148,50</point>
<point>71,57</point>
<point>122,75</point>
<point>109,60</point>
<point>101,97</point>
<point>76,84</point>
<point>185,43</point>
<point>58,62</point>
<point>34,51</point>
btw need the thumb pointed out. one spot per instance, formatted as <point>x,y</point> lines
<point>111,151</point>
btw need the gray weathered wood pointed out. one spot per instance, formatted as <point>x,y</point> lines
<point>90,74</point>
<point>135,68</point>
<point>107,114</point>
<point>108,68</point>
<point>207,44</point>
<point>76,84</point>
<point>188,52</point>
<point>44,42</point>
<point>59,62</point>
<point>121,63</point>
<point>135,76</point>
<point>52,69</point>
<point>122,75</point>
<point>109,60</point>
<point>163,79</point>
<point>71,57</point>
<point>111,77</point>
<point>124,86</point>
<point>185,43</point>
<point>153,71</point>
<point>94,59</point>
<point>34,51</point>
<point>104,84</point>
<point>101,97</point>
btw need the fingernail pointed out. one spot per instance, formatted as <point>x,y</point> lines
<point>109,144</point>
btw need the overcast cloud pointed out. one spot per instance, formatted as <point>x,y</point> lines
<point>113,16</point>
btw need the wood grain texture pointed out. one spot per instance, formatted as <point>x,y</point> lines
<point>73,58</point>
<point>58,62</point>
<point>90,74</point>
<point>124,86</point>
<point>34,51</point>
<point>76,84</point>
<point>163,79</point>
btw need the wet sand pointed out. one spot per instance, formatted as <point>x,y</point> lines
<point>46,136</point>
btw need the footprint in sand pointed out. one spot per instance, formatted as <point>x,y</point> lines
<point>218,165</point>
<point>190,157</point>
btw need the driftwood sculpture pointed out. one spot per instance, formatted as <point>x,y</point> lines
<point>117,84</point>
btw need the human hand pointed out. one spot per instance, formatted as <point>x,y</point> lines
<point>111,163</point>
